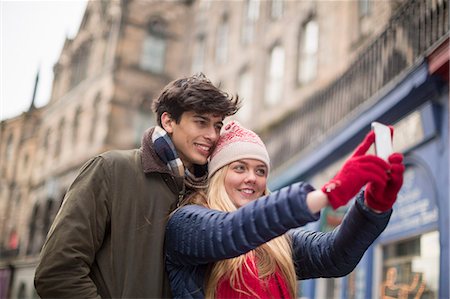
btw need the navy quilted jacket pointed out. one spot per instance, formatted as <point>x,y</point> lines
<point>197,236</point>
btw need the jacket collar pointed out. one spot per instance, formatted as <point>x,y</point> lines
<point>149,159</point>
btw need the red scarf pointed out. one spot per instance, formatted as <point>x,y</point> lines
<point>273,286</point>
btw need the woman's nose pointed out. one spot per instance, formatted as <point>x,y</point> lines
<point>250,177</point>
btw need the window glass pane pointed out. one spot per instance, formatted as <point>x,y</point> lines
<point>364,8</point>
<point>245,91</point>
<point>251,15</point>
<point>411,268</point>
<point>199,56</point>
<point>153,53</point>
<point>275,78</point>
<point>222,43</point>
<point>276,11</point>
<point>308,48</point>
<point>253,10</point>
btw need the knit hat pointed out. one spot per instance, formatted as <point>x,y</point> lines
<point>236,143</point>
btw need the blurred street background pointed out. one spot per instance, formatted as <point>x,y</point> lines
<point>313,75</point>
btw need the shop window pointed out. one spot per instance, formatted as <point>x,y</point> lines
<point>154,47</point>
<point>275,76</point>
<point>411,268</point>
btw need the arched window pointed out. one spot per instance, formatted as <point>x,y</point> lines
<point>154,47</point>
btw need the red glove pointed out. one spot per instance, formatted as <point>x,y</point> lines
<point>357,171</point>
<point>382,199</point>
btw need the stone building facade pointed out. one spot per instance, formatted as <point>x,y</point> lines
<point>275,54</point>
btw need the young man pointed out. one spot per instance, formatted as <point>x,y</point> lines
<point>107,239</point>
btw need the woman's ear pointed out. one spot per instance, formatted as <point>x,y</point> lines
<point>166,122</point>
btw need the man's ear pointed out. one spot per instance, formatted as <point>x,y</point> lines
<point>166,122</point>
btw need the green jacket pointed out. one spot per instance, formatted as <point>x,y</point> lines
<point>107,239</point>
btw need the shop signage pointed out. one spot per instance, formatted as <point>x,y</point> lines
<point>415,210</point>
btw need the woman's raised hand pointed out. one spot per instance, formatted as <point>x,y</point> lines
<point>356,172</point>
<point>382,197</point>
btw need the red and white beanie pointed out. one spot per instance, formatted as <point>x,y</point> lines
<point>236,143</point>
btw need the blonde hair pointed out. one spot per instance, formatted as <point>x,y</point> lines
<point>273,255</point>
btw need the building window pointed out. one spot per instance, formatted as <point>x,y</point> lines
<point>95,115</point>
<point>245,91</point>
<point>154,47</point>
<point>13,240</point>
<point>48,217</point>
<point>308,52</point>
<point>251,15</point>
<point>32,229</point>
<point>76,125</point>
<point>199,55</point>
<point>9,148</point>
<point>274,84</point>
<point>22,291</point>
<point>222,42</point>
<point>80,63</point>
<point>276,9</point>
<point>59,137</point>
<point>364,8</point>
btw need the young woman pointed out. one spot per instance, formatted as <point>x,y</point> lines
<point>232,240</point>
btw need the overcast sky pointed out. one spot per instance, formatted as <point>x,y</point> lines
<point>32,34</point>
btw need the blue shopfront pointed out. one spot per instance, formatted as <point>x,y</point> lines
<point>411,258</point>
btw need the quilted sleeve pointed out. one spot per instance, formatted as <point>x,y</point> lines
<point>337,253</point>
<point>197,235</point>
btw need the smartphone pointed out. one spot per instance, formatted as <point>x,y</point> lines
<point>383,140</point>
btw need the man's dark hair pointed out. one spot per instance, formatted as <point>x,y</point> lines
<point>195,93</point>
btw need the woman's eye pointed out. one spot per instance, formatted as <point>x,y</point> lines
<point>261,172</point>
<point>239,168</point>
